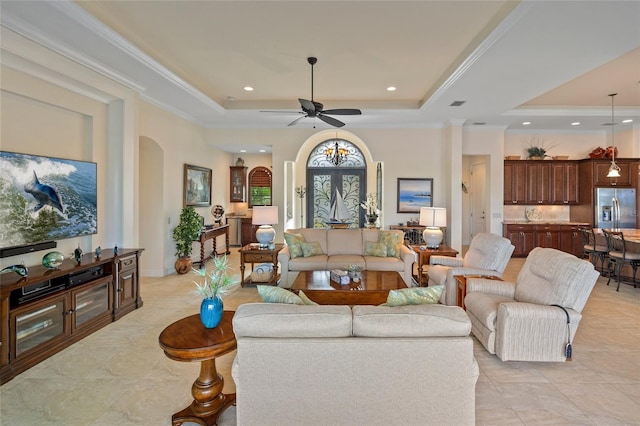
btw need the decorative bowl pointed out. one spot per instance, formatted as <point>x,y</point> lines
<point>512,157</point>
<point>561,157</point>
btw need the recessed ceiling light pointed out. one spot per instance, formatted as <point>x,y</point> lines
<point>243,150</point>
<point>263,150</point>
<point>391,88</point>
<point>627,121</point>
<point>575,123</point>
<point>248,89</point>
<point>526,123</point>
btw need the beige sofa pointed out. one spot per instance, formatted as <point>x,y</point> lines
<point>366,365</point>
<point>342,247</point>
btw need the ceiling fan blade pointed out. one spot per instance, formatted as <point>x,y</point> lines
<point>307,106</point>
<point>343,111</point>
<point>296,120</point>
<point>284,112</point>
<point>330,120</point>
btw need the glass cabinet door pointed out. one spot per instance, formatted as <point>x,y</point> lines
<point>238,185</point>
<point>38,324</point>
<point>91,303</point>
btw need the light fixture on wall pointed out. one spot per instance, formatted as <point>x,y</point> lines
<point>336,155</point>
<point>265,216</point>
<point>433,218</point>
<point>614,169</point>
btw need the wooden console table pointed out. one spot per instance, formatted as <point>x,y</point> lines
<point>212,234</point>
<point>187,340</point>
<point>425,255</point>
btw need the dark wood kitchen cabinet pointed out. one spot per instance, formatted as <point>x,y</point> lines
<point>526,236</point>
<point>515,182</point>
<point>541,182</point>
<point>601,169</point>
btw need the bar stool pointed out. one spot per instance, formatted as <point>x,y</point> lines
<point>592,249</point>
<point>619,255</point>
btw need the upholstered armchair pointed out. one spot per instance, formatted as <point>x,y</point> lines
<point>517,321</point>
<point>488,255</point>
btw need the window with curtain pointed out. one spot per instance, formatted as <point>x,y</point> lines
<point>260,187</point>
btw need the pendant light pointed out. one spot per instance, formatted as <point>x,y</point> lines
<point>614,169</point>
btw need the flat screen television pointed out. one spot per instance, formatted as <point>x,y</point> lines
<point>45,199</point>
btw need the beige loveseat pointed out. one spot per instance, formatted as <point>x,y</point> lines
<point>370,365</point>
<point>343,247</point>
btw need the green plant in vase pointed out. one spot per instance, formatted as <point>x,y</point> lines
<point>215,284</point>
<point>187,231</point>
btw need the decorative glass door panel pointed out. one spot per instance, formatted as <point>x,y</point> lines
<point>323,195</point>
<point>91,303</point>
<point>38,324</point>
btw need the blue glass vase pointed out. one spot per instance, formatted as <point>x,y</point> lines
<point>211,312</point>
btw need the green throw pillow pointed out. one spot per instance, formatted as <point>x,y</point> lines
<point>415,296</point>
<point>311,249</point>
<point>375,249</point>
<point>272,294</point>
<point>393,241</point>
<point>294,242</point>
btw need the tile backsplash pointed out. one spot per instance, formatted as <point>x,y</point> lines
<point>547,213</point>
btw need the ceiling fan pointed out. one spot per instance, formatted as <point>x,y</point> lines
<point>315,109</point>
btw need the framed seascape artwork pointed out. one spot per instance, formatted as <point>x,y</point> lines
<point>197,186</point>
<point>414,193</point>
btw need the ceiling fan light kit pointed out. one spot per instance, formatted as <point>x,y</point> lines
<point>313,109</point>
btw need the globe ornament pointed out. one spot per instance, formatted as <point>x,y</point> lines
<point>52,260</point>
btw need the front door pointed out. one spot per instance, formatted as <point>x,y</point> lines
<point>324,177</point>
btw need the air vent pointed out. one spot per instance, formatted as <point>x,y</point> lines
<point>457,103</point>
<point>479,123</point>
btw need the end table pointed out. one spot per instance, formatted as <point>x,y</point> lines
<point>425,254</point>
<point>187,340</point>
<point>251,254</point>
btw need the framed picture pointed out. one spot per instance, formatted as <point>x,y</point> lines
<point>414,193</point>
<point>197,186</point>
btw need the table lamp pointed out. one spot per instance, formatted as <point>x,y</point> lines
<point>265,216</point>
<point>433,218</point>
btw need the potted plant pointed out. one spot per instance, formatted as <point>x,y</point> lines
<point>187,231</point>
<point>537,153</point>
<point>215,284</point>
<point>354,272</point>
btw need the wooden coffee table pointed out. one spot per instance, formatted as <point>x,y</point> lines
<point>188,340</point>
<point>372,289</point>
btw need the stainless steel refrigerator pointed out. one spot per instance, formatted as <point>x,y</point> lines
<point>615,208</point>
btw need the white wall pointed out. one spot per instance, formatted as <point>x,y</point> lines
<point>42,119</point>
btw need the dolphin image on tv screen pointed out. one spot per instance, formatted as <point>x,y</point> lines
<point>44,194</point>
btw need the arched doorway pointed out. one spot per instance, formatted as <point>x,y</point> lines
<point>330,176</point>
<point>151,202</point>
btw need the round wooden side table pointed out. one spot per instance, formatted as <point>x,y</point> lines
<point>188,340</point>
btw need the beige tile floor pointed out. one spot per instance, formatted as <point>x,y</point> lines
<point>120,376</point>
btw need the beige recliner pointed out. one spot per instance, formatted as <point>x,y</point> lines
<point>488,255</point>
<point>517,321</point>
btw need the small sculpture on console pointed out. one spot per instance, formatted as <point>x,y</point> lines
<point>98,251</point>
<point>77,254</point>
<point>18,269</point>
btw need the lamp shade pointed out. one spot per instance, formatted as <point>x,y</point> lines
<point>433,216</point>
<point>265,215</point>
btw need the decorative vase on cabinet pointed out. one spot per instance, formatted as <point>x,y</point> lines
<point>211,310</point>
